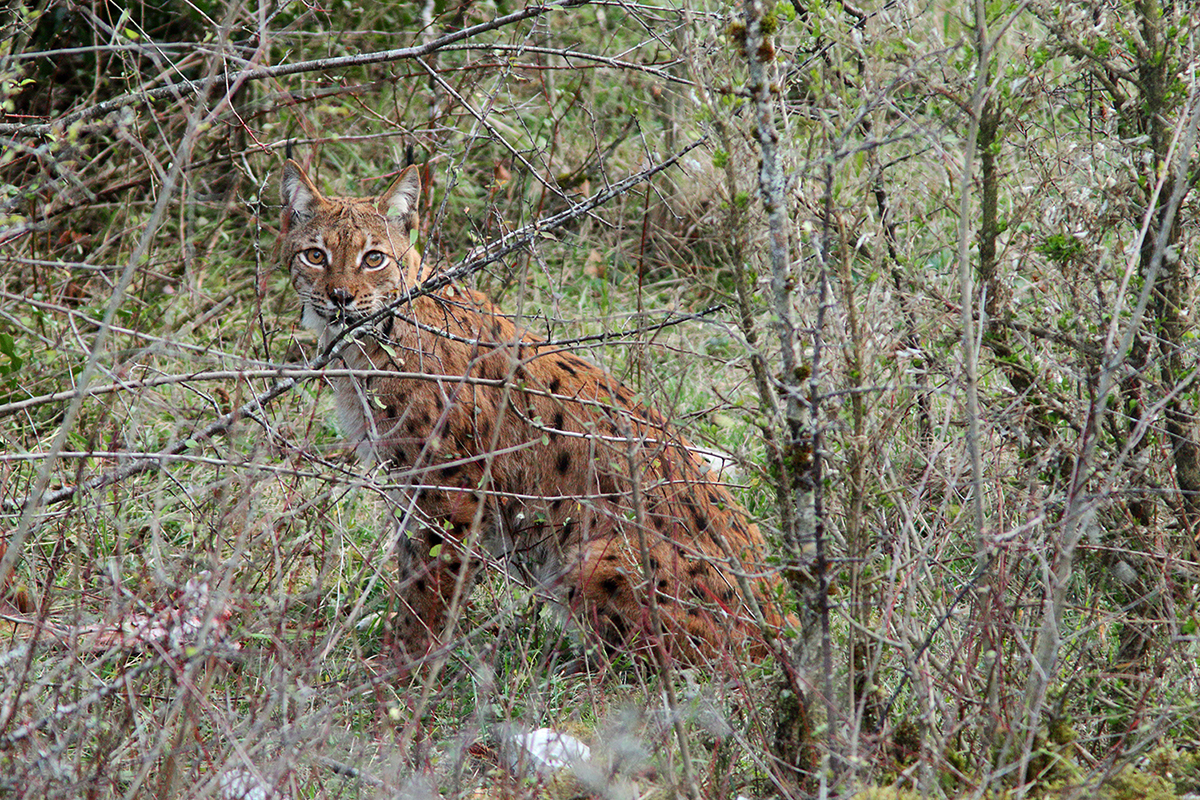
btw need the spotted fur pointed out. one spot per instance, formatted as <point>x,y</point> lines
<point>508,447</point>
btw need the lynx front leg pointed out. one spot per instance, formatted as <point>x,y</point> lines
<point>435,580</point>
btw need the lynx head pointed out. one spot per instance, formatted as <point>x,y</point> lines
<point>348,257</point>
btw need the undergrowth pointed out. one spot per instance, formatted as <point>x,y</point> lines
<point>200,583</point>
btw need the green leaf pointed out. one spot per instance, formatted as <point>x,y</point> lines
<point>8,348</point>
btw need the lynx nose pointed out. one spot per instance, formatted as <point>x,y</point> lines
<point>341,297</point>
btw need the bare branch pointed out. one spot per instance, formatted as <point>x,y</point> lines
<point>175,90</point>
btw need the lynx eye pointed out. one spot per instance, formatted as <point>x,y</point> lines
<point>374,260</point>
<point>313,257</point>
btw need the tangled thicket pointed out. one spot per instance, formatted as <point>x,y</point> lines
<point>953,369</point>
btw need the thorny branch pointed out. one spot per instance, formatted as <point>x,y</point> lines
<point>310,372</point>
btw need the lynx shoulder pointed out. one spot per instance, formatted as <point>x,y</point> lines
<point>510,449</point>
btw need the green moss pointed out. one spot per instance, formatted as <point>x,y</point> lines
<point>1183,768</point>
<point>889,793</point>
<point>1133,784</point>
<point>770,23</point>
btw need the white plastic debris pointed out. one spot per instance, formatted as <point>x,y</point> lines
<point>544,751</point>
<point>242,784</point>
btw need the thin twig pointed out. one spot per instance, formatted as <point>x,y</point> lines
<point>568,55</point>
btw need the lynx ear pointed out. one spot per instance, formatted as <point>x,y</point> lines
<point>400,200</point>
<point>300,198</point>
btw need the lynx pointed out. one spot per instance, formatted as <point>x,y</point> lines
<point>511,449</point>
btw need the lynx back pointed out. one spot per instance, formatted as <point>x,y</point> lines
<point>511,450</point>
